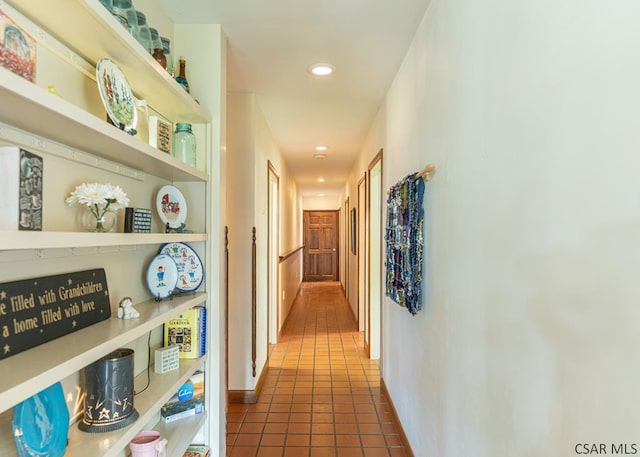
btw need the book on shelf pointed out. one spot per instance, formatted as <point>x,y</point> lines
<point>197,451</point>
<point>187,401</point>
<point>188,330</point>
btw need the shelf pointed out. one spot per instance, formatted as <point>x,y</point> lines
<point>148,403</point>
<point>88,28</point>
<point>37,111</point>
<point>28,372</point>
<point>21,240</point>
<point>180,434</point>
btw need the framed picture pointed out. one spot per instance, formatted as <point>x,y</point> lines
<point>354,231</point>
<point>17,49</point>
<point>160,133</point>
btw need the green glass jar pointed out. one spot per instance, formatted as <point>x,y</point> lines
<point>144,34</point>
<point>124,12</point>
<point>183,145</point>
<point>166,48</point>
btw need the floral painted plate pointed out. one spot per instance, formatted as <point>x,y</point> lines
<point>162,276</point>
<point>116,95</point>
<point>41,424</point>
<point>171,206</point>
<point>190,270</point>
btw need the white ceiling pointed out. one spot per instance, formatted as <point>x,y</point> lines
<point>271,45</point>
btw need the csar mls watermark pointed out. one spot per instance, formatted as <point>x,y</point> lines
<point>606,448</point>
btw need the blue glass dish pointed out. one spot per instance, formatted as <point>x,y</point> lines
<point>41,424</point>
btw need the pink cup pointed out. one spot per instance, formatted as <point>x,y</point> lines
<point>145,444</point>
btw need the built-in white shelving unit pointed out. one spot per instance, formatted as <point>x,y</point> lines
<point>147,404</point>
<point>28,372</point>
<point>88,30</point>
<point>37,111</point>
<point>93,33</point>
<point>11,241</point>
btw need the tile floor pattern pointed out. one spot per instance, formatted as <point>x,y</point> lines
<point>321,396</point>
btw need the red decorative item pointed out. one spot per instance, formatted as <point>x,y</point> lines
<point>17,49</point>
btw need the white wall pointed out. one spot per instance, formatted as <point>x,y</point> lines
<point>250,149</point>
<point>526,344</point>
<point>331,202</point>
<point>240,220</point>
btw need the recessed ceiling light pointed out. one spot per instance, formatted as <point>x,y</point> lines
<point>320,156</point>
<point>320,179</point>
<point>321,69</point>
<point>320,195</point>
<point>321,148</point>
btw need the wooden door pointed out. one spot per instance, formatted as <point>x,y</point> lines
<point>320,245</point>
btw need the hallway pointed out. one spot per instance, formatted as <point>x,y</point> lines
<point>321,396</point>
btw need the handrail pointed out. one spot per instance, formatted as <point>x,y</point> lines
<point>286,255</point>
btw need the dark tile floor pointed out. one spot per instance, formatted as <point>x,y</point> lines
<point>321,397</point>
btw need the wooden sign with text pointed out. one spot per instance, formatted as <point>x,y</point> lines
<point>35,311</point>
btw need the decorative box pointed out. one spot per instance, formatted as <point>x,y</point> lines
<point>137,220</point>
<point>167,359</point>
<point>20,189</point>
<point>188,401</point>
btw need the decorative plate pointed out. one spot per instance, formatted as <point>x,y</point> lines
<point>190,269</point>
<point>171,206</point>
<point>116,95</point>
<point>41,424</point>
<point>162,276</point>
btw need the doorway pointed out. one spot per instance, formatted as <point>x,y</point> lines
<point>320,245</point>
<point>273,250</point>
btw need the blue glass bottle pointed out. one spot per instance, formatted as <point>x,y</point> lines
<point>182,75</point>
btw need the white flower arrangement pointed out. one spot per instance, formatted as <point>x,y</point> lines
<point>99,198</point>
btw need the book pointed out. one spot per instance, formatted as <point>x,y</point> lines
<point>20,189</point>
<point>188,330</point>
<point>187,401</point>
<point>197,451</point>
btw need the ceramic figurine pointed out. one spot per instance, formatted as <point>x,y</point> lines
<point>126,309</point>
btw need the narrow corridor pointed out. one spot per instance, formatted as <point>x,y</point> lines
<point>321,397</point>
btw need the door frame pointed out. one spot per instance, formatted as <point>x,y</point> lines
<point>373,340</point>
<point>273,250</point>
<point>361,257</point>
<point>346,246</point>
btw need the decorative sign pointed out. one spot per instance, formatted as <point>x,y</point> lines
<point>35,311</point>
<point>160,133</point>
<point>20,189</point>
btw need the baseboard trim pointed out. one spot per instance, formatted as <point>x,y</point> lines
<point>403,437</point>
<point>249,396</point>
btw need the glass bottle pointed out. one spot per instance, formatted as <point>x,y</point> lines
<point>144,34</point>
<point>124,12</point>
<point>182,75</point>
<point>142,126</point>
<point>158,50</point>
<point>183,144</point>
<point>166,48</point>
